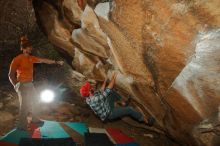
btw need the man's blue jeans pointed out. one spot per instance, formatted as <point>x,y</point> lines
<point>119,112</point>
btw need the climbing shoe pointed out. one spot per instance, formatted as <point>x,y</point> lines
<point>39,123</point>
<point>128,101</point>
<point>150,121</point>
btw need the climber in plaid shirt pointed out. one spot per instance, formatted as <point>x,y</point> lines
<point>102,102</point>
<point>99,104</point>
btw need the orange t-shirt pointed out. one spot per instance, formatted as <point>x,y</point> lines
<point>23,65</point>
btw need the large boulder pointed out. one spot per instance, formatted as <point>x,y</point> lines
<point>166,54</point>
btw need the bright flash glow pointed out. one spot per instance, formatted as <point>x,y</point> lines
<point>47,96</point>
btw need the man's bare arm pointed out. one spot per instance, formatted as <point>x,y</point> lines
<point>112,82</point>
<point>104,85</point>
<point>12,76</point>
<point>49,61</point>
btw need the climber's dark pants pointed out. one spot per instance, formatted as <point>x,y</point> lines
<point>119,112</point>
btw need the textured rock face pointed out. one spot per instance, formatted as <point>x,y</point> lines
<point>166,53</point>
<point>57,32</point>
<point>16,19</point>
<point>166,34</point>
<point>20,12</point>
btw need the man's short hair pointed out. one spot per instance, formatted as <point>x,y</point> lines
<point>24,43</point>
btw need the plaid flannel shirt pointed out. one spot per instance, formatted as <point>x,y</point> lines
<point>99,103</point>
